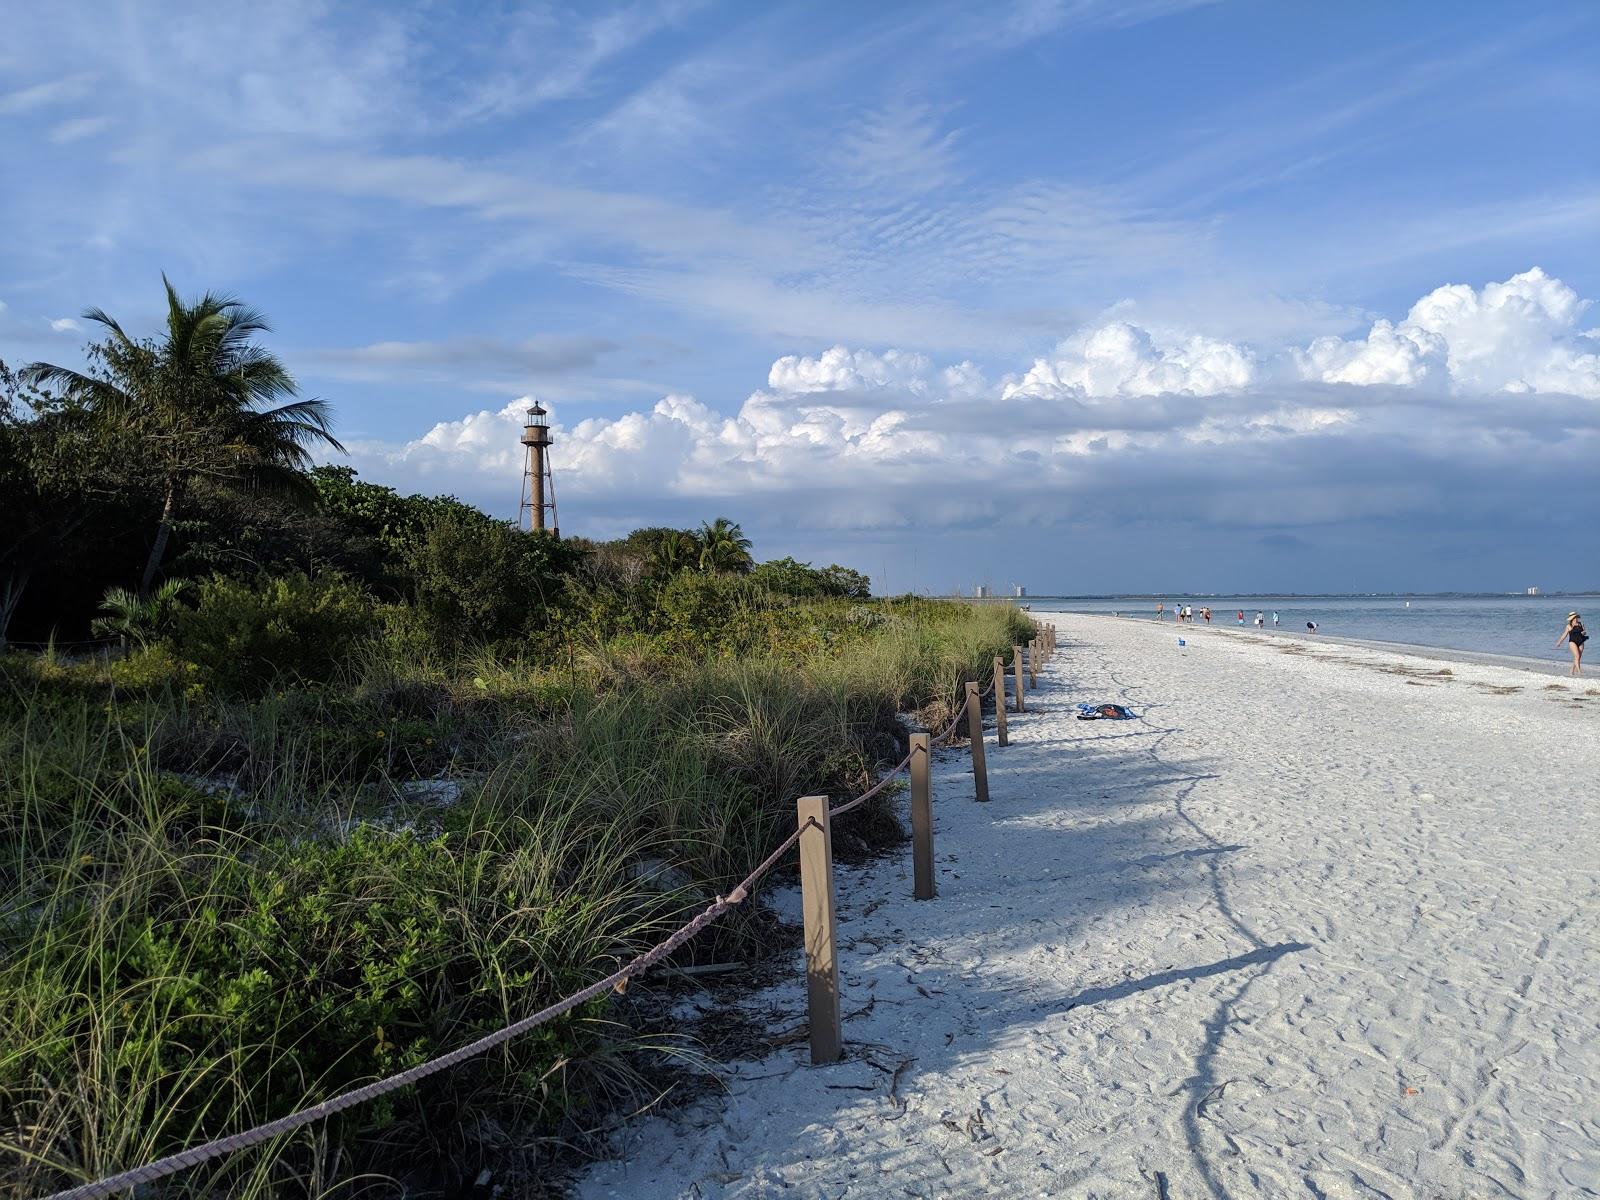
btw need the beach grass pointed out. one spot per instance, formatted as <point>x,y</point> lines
<point>217,909</point>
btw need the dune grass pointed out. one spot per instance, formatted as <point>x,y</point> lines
<point>215,911</point>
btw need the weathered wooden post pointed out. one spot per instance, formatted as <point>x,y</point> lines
<point>921,819</point>
<point>1000,701</point>
<point>1033,663</point>
<point>980,765</point>
<point>1022,705</point>
<point>822,947</point>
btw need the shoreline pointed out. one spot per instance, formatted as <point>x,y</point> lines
<point>1448,654</point>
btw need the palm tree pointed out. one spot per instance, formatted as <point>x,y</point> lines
<point>139,619</point>
<point>675,551</point>
<point>204,402</point>
<point>724,548</point>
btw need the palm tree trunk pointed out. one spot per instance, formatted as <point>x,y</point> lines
<point>163,534</point>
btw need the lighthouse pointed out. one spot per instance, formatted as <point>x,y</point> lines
<point>538,510</point>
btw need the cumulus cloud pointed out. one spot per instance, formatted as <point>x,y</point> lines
<point>1409,356</point>
<point>66,325</point>
<point>1120,359</point>
<point>1521,335</point>
<point>839,369</point>
<point>1107,422</point>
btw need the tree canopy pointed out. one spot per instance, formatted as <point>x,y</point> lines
<point>205,401</point>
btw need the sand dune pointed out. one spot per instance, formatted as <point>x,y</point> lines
<point>1322,923</point>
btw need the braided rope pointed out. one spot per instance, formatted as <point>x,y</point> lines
<point>233,1142</point>
<point>873,790</point>
<point>951,728</point>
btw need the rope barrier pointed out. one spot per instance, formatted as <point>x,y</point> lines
<point>195,1155</point>
<point>873,790</point>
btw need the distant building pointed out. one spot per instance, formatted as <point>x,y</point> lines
<point>1534,592</point>
<point>1021,591</point>
<point>983,592</point>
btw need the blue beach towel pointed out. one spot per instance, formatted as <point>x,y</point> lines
<point>1105,712</point>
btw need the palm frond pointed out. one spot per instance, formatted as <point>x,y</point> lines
<point>100,317</point>
<point>99,394</point>
<point>281,482</point>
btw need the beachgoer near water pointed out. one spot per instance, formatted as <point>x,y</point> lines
<point>1188,614</point>
<point>1261,619</point>
<point>1575,636</point>
<point>1274,619</point>
<point>1241,616</point>
<point>1206,613</point>
<point>1311,626</point>
<point>1161,610</point>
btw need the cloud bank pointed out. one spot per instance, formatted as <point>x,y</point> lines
<point>1476,394</point>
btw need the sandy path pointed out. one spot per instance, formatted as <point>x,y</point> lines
<point>1322,923</point>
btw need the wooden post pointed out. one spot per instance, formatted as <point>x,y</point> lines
<point>1033,664</point>
<point>980,765</point>
<point>1000,700</point>
<point>1022,705</point>
<point>921,819</point>
<point>822,952</point>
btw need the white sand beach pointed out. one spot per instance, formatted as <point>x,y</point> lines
<point>1322,922</point>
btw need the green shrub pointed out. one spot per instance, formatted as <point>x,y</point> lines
<point>716,615</point>
<point>245,635</point>
<point>788,577</point>
<point>479,580</point>
<point>152,668</point>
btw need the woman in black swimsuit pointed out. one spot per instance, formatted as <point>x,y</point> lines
<point>1575,636</point>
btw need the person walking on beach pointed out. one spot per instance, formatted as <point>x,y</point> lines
<point>1274,618</point>
<point>1206,613</point>
<point>1241,616</point>
<point>1161,611</point>
<point>1261,619</point>
<point>1575,636</point>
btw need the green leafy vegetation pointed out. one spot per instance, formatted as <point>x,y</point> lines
<point>366,776</point>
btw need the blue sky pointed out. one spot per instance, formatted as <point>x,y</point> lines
<point>1092,296</point>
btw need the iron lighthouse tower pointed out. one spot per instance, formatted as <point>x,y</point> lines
<point>538,485</point>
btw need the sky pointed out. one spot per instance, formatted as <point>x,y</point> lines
<point>1090,295</point>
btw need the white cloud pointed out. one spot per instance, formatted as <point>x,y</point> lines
<point>79,128</point>
<point>1521,335</point>
<point>1120,359</point>
<point>66,325</point>
<point>862,439</point>
<point>1409,356</point>
<point>840,369</point>
<point>900,147</point>
<point>42,95</point>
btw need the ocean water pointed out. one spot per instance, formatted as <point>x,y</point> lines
<point>1525,626</point>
